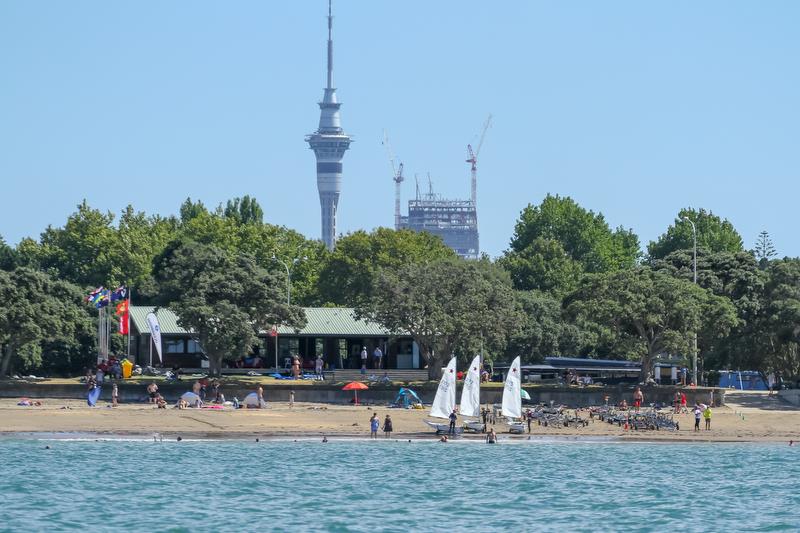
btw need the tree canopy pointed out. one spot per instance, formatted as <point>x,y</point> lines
<point>225,300</point>
<point>649,312</point>
<point>713,234</point>
<point>42,319</point>
<point>450,307</point>
<point>557,240</point>
<point>349,274</point>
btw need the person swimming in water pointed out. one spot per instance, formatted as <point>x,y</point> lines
<point>491,437</point>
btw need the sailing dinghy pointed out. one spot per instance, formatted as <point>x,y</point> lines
<point>512,399</point>
<point>445,400</point>
<point>471,396</point>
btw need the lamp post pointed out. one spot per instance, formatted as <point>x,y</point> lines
<point>694,266</point>
<point>288,268</point>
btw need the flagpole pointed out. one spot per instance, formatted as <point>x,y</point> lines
<point>128,314</point>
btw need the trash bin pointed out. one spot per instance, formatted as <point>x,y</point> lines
<point>127,368</point>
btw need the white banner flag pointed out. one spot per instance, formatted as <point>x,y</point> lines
<point>155,332</point>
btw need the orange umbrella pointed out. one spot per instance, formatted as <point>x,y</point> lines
<point>355,386</point>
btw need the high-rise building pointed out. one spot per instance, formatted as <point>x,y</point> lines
<point>455,221</point>
<point>329,143</point>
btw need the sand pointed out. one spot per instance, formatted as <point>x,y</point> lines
<point>746,418</point>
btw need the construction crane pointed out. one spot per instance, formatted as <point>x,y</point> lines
<point>473,160</point>
<point>397,177</point>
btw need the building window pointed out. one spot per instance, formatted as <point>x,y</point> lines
<point>192,346</point>
<point>174,346</point>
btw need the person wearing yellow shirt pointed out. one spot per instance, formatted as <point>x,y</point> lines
<point>707,416</point>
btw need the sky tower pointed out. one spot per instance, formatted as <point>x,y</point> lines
<point>329,143</point>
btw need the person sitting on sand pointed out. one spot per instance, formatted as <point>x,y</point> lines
<point>183,404</point>
<point>161,402</point>
<point>491,437</point>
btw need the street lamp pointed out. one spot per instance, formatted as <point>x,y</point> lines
<point>288,268</point>
<point>694,265</point>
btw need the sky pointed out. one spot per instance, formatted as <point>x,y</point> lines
<point>634,109</point>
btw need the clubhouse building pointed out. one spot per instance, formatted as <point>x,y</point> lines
<point>334,332</point>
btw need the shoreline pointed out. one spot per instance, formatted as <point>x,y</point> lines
<point>310,421</point>
<point>68,436</point>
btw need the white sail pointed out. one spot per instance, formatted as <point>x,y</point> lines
<point>471,393</point>
<point>445,400</point>
<point>512,400</point>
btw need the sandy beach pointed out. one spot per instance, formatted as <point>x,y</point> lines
<point>746,418</point>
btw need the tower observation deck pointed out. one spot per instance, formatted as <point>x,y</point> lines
<point>329,144</point>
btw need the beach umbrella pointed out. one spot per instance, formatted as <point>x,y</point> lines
<point>355,386</point>
<point>524,394</point>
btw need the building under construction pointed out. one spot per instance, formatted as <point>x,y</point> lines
<point>455,221</point>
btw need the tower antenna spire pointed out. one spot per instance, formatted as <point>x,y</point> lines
<point>330,45</point>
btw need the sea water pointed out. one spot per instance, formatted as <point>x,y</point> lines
<point>141,485</point>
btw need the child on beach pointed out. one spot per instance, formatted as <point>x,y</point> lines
<point>707,416</point>
<point>697,413</point>
<point>114,395</point>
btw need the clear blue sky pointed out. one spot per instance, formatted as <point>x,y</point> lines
<point>635,109</point>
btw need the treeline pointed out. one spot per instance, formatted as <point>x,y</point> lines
<point>568,284</point>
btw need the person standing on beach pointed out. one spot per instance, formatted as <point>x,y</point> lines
<point>152,391</point>
<point>378,356</point>
<point>374,424</point>
<point>697,413</point>
<point>260,394</point>
<point>114,395</point>
<point>363,359</point>
<point>638,398</point>
<point>683,402</point>
<point>291,399</point>
<point>707,416</point>
<point>453,420</point>
<point>387,426</point>
<point>318,365</point>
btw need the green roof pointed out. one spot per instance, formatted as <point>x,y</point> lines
<point>320,322</point>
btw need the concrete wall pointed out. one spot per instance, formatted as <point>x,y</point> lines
<point>791,395</point>
<point>324,393</point>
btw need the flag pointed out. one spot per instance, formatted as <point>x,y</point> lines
<point>101,299</point>
<point>92,295</point>
<point>155,332</point>
<point>123,311</point>
<point>122,307</point>
<point>120,293</point>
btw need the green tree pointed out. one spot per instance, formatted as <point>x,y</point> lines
<point>777,332</point>
<point>81,251</point>
<point>556,240</point>
<point>190,210</point>
<point>649,312</point>
<point>42,319</point>
<point>764,250</point>
<point>713,233</point>
<point>543,330</point>
<point>271,246</point>
<point>448,306</point>
<point>350,272</point>
<point>735,276</point>
<point>7,256</point>
<point>543,265</point>
<point>225,300</point>
<point>245,210</point>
